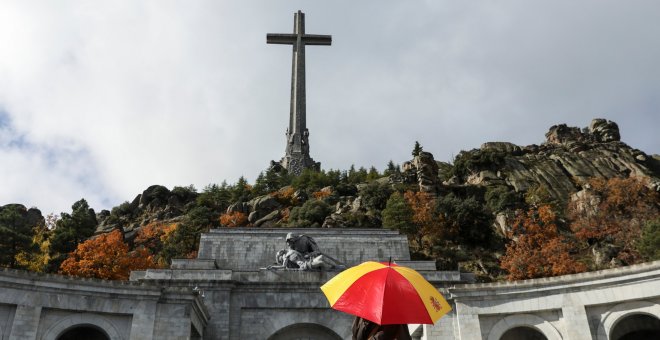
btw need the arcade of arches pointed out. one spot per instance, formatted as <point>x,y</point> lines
<point>212,297</point>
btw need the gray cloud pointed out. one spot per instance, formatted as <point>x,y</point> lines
<point>114,97</point>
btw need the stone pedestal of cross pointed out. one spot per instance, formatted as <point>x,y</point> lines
<point>297,157</point>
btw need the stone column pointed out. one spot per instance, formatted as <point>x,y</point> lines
<point>576,323</point>
<point>26,323</point>
<point>444,329</point>
<point>144,317</point>
<point>468,323</point>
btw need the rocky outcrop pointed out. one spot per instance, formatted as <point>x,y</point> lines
<point>156,203</point>
<point>423,170</point>
<point>268,221</point>
<point>567,159</point>
<point>29,217</point>
<point>262,206</point>
<point>343,208</point>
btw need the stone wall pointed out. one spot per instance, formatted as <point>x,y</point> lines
<point>249,302</point>
<point>580,306</point>
<point>36,306</point>
<point>252,248</point>
<point>201,299</point>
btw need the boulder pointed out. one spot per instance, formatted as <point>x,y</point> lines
<point>334,220</point>
<point>427,171</point>
<point>31,217</point>
<point>586,201</point>
<point>262,206</point>
<point>486,177</point>
<point>505,147</point>
<point>501,223</point>
<point>562,134</point>
<point>242,207</point>
<point>604,130</point>
<point>453,180</point>
<point>357,205</point>
<point>265,202</point>
<point>153,198</point>
<point>300,196</point>
<point>604,253</point>
<point>269,220</point>
<point>34,217</point>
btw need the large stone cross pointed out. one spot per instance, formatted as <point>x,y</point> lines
<point>297,150</point>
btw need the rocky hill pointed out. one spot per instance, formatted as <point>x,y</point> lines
<point>498,176</point>
<point>562,164</point>
<point>568,158</point>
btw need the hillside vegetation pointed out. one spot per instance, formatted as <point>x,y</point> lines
<point>582,200</point>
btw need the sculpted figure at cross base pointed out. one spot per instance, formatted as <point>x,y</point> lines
<point>304,244</point>
<point>294,260</point>
<point>303,253</point>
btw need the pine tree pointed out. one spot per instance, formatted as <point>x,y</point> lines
<point>372,174</point>
<point>241,191</point>
<point>15,234</point>
<point>71,230</point>
<point>391,169</point>
<point>417,149</point>
<point>397,214</point>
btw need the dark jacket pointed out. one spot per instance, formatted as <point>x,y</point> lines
<point>366,330</point>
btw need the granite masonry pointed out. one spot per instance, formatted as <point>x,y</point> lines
<point>227,294</point>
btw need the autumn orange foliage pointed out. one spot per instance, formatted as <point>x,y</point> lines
<point>537,249</point>
<point>424,219</point>
<point>285,196</point>
<point>618,209</point>
<point>233,219</point>
<point>106,257</point>
<point>153,235</point>
<point>321,194</point>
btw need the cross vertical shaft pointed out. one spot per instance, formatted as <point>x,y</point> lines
<point>297,157</point>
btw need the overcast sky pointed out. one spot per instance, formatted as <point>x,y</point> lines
<point>101,99</point>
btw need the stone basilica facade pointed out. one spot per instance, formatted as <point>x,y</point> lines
<point>226,293</point>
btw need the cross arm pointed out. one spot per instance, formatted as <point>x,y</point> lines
<point>281,38</point>
<point>317,39</point>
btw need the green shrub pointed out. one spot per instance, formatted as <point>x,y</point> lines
<point>397,213</point>
<point>649,243</point>
<point>311,181</point>
<point>501,198</point>
<point>375,195</point>
<point>311,214</point>
<point>467,162</point>
<point>468,219</point>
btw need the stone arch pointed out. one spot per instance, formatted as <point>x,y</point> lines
<point>305,331</point>
<point>83,332</point>
<point>617,313</point>
<point>523,332</point>
<point>338,323</point>
<point>83,319</point>
<point>524,320</point>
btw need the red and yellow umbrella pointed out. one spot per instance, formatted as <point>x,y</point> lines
<point>385,293</point>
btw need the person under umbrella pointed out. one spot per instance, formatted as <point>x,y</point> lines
<point>364,329</point>
<point>385,297</point>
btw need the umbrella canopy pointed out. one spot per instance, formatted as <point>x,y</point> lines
<point>385,293</point>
